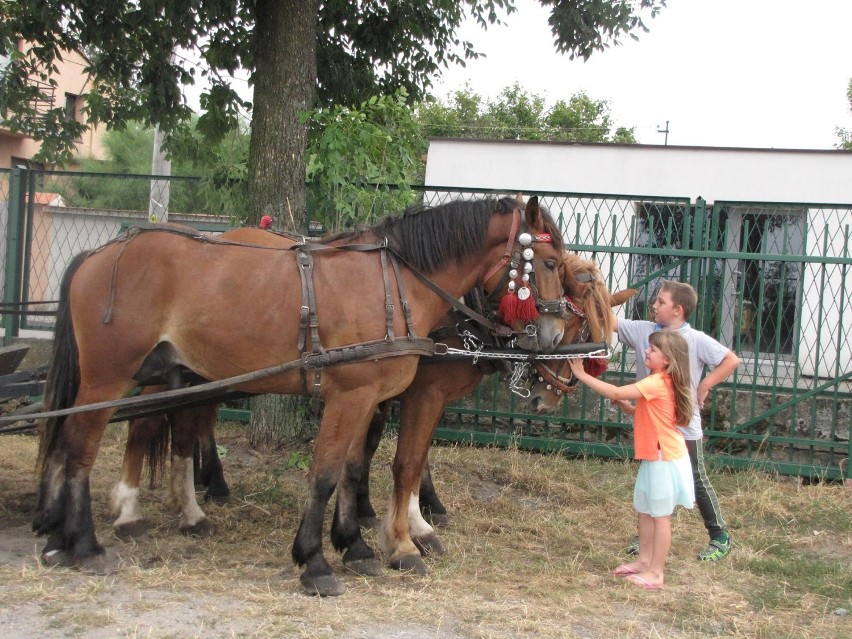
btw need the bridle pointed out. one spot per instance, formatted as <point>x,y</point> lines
<point>555,382</point>
<point>517,277</point>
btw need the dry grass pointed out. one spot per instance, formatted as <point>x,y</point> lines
<point>530,549</point>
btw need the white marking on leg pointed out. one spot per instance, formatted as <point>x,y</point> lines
<point>125,504</point>
<point>183,491</point>
<point>418,526</point>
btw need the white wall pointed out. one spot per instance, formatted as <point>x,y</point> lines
<point>772,175</point>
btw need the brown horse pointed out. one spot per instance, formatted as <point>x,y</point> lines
<point>437,384</point>
<point>136,310</point>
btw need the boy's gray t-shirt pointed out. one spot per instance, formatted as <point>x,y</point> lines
<point>703,349</point>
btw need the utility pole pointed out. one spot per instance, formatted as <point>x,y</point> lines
<point>158,199</point>
<point>666,131</point>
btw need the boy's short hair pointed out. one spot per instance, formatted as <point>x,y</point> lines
<point>682,295</point>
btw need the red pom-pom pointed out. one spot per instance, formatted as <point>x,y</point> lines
<point>527,311</point>
<point>266,221</point>
<point>595,366</point>
<point>509,308</point>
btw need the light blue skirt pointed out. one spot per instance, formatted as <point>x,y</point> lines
<point>662,485</point>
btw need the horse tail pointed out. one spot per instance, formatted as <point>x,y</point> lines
<point>63,375</point>
<point>158,450</point>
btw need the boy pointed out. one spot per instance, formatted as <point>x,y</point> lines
<point>673,305</point>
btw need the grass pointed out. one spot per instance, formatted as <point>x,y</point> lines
<point>531,544</point>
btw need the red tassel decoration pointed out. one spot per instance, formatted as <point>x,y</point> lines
<point>527,311</point>
<point>509,308</point>
<point>595,366</point>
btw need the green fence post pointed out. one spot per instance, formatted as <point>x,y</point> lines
<point>14,235</point>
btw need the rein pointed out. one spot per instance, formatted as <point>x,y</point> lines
<point>374,350</point>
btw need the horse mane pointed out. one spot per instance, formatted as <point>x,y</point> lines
<point>429,237</point>
<point>595,298</point>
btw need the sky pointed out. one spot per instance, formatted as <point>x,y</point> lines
<point>730,73</point>
<point>737,73</point>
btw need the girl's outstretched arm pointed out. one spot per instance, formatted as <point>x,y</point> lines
<point>601,387</point>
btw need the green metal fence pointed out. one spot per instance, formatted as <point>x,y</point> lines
<point>772,280</point>
<point>773,283</point>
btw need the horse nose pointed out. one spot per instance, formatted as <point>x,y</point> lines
<point>535,401</point>
<point>557,339</point>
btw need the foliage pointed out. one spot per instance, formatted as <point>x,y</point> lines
<point>845,135</point>
<point>222,168</point>
<point>362,160</point>
<point>518,115</point>
<point>298,459</point>
<point>362,49</point>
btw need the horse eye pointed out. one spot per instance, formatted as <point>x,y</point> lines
<point>550,264</point>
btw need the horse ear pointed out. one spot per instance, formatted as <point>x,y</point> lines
<point>618,298</point>
<point>533,215</point>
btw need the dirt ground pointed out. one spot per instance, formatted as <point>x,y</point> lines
<point>531,545</point>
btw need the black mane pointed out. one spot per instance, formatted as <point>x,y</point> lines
<point>430,237</point>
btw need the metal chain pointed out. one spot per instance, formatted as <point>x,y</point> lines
<point>598,354</point>
<point>517,381</point>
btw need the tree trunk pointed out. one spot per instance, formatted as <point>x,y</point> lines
<point>284,79</point>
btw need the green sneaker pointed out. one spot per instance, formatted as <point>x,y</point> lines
<point>718,548</point>
<point>633,546</point>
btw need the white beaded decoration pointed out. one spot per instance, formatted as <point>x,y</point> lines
<point>525,278</point>
<point>528,253</point>
<point>528,267</point>
<point>525,239</point>
<point>511,286</point>
<point>513,274</point>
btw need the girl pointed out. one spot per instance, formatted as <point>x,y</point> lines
<point>663,400</point>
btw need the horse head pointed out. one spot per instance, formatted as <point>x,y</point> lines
<point>589,307</point>
<point>529,287</point>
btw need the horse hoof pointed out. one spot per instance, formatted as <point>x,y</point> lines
<point>364,567</point>
<point>221,500</point>
<point>99,564</point>
<point>204,529</point>
<point>324,585</point>
<point>429,545</point>
<point>54,558</point>
<point>368,523</point>
<point>437,519</point>
<point>410,563</point>
<point>132,530</point>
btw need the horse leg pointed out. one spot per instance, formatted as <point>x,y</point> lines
<point>345,529</point>
<point>65,507</point>
<point>431,507</point>
<point>144,436</point>
<point>212,473</point>
<point>405,534</point>
<point>186,426</point>
<point>330,450</point>
<point>366,514</point>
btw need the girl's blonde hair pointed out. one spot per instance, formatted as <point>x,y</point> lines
<point>675,349</point>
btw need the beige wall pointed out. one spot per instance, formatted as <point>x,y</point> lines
<point>70,78</point>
